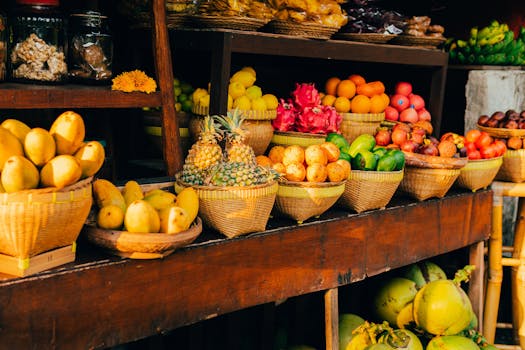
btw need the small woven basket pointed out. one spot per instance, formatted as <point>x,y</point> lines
<point>355,124</point>
<point>503,133</point>
<point>287,138</point>
<point>303,200</point>
<point>513,167</point>
<point>36,221</point>
<point>306,30</point>
<point>424,183</point>
<point>479,173</point>
<point>234,211</point>
<point>366,190</point>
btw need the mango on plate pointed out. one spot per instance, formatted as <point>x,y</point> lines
<point>106,193</point>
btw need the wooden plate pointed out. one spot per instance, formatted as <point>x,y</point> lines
<point>502,132</point>
<point>433,162</point>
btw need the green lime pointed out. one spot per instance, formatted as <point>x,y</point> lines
<point>187,105</point>
<point>177,91</point>
<point>345,156</point>
<point>186,88</point>
<point>182,97</point>
<point>176,82</point>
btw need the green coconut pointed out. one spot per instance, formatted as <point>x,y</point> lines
<point>347,323</point>
<point>442,307</point>
<point>392,297</point>
<point>402,339</point>
<point>451,342</point>
<point>423,272</point>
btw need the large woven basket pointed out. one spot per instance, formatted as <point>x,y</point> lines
<point>36,221</point>
<point>366,190</point>
<point>234,211</point>
<point>424,183</point>
<point>303,200</point>
<point>287,138</point>
<point>479,173</point>
<point>355,124</point>
<point>513,167</point>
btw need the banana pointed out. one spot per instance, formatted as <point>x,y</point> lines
<point>132,191</point>
<point>105,193</point>
<point>160,199</point>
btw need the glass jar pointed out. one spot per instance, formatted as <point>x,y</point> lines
<point>90,48</point>
<point>3,46</point>
<point>37,44</point>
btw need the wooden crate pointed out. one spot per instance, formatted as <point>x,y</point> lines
<point>24,267</point>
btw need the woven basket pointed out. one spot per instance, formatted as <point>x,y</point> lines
<point>422,41</point>
<point>306,30</point>
<point>226,22</point>
<point>374,38</point>
<point>259,134</point>
<point>303,200</point>
<point>513,167</point>
<point>366,190</point>
<point>433,162</point>
<point>36,221</point>
<point>355,124</point>
<point>479,173</point>
<point>234,211</point>
<point>424,183</point>
<point>502,133</point>
<point>287,138</point>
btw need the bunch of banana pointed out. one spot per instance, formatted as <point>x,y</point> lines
<point>494,44</point>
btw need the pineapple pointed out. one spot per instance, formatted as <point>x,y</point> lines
<point>239,174</point>
<point>236,148</point>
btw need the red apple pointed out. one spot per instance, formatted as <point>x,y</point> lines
<point>391,114</point>
<point>400,102</point>
<point>408,115</point>
<point>423,114</point>
<point>403,88</point>
<point>407,128</point>
<point>383,137</point>
<point>416,101</point>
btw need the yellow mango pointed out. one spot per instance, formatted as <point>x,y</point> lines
<point>188,199</point>
<point>132,191</point>
<point>9,146</point>
<point>69,131</point>
<point>61,171</point>
<point>39,146</point>
<point>106,193</point>
<point>160,199</point>
<point>173,219</point>
<point>141,217</point>
<point>91,156</point>
<point>19,174</point>
<point>17,128</point>
<point>2,189</point>
<point>110,217</point>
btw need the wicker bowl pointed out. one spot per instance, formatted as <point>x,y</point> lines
<point>424,183</point>
<point>355,124</point>
<point>513,167</point>
<point>366,190</point>
<point>36,221</point>
<point>234,211</point>
<point>287,138</point>
<point>303,200</point>
<point>479,173</point>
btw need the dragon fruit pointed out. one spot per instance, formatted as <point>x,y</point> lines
<point>333,119</point>
<point>311,120</point>
<point>306,95</point>
<point>286,115</point>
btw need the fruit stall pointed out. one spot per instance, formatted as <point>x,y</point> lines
<point>252,175</point>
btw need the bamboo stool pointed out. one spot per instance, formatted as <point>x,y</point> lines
<point>496,262</point>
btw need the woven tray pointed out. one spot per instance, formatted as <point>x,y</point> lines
<point>306,30</point>
<point>423,41</point>
<point>502,132</point>
<point>287,138</point>
<point>226,22</point>
<point>479,174</point>
<point>303,200</point>
<point>513,167</point>
<point>433,162</point>
<point>141,245</point>
<point>366,190</point>
<point>424,183</point>
<point>374,38</point>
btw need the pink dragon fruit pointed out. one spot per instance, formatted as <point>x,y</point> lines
<point>305,95</point>
<point>286,115</point>
<point>333,119</point>
<point>311,120</point>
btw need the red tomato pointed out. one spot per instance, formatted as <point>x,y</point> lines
<point>472,135</point>
<point>500,146</point>
<point>489,151</point>
<point>483,140</point>
<point>473,155</point>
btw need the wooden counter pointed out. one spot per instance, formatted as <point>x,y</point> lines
<point>101,301</point>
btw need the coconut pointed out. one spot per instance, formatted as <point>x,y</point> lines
<point>402,339</point>
<point>451,342</point>
<point>392,297</point>
<point>379,346</point>
<point>423,272</point>
<point>347,323</point>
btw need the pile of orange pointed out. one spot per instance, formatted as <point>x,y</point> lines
<point>355,95</point>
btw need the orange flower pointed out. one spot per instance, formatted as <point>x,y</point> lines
<point>134,81</point>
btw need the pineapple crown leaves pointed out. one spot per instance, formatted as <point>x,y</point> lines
<point>210,130</point>
<point>232,122</point>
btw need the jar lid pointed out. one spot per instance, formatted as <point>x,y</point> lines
<point>39,2</point>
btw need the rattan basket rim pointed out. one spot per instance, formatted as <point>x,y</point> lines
<point>227,22</point>
<point>248,114</point>
<point>308,184</point>
<point>435,162</point>
<point>502,132</point>
<point>410,40</point>
<point>375,38</point>
<point>224,188</point>
<point>299,134</point>
<point>363,117</point>
<point>48,190</point>
<point>309,30</point>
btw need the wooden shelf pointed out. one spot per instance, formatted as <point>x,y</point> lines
<point>132,299</point>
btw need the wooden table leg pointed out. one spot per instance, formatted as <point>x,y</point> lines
<point>331,317</point>
<point>476,257</point>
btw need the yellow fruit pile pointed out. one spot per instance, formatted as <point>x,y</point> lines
<point>315,163</point>
<point>355,95</point>
<point>243,94</point>
<point>135,211</point>
<point>58,157</point>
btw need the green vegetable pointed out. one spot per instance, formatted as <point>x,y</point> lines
<point>362,142</point>
<point>364,160</point>
<point>386,163</point>
<point>345,156</point>
<point>379,151</point>
<point>337,139</point>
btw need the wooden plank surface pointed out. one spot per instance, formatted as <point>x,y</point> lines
<point>101,301</point>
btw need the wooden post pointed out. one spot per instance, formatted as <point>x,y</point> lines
<point>476,257</point>
<point>331,319</point>
<point>518,276</point>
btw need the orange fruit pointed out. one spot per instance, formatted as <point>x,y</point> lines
<point>331,85</point>
<point>357,79</point>
<point>386,99</point>
<point>346,88</point>
<point>366,90</point>
<point>377,105</point>
<point>361,104</point>
<point>264,161</point>
<point>328,100</point>
<point>342,105</point>
<point>378,87</point>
